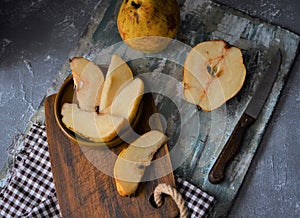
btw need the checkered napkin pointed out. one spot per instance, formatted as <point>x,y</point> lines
<point>30,191</point>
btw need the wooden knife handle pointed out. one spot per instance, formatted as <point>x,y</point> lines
<point>217,173</point>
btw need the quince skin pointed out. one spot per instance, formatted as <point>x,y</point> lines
<point>148,25</point>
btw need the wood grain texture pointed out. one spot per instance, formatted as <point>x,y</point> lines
<point>85,191</point>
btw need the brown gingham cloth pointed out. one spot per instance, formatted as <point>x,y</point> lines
<point>30,191</point>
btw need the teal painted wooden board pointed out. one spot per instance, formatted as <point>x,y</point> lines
<point>204,133</point>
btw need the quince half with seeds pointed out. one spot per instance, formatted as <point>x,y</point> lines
<point>214,72</point>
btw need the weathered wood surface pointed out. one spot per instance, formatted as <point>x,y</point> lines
<point>200,21</point>
<point>84,190</point>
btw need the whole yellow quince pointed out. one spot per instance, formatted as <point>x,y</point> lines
<point>148,25</point>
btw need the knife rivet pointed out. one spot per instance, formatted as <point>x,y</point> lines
<point>244,122</point>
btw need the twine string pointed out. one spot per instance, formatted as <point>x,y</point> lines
<point>171,191</point>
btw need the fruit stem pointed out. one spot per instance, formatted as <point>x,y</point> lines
<point>135,5</point>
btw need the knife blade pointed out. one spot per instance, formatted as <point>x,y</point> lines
<point>254,107</point>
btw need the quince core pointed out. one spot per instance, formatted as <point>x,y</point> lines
<point>214,72</point>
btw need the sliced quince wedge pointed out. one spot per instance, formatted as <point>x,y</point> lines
<point>214,72</point>
<point>90,125</point>
<point>117,75</point>
<point>127,100</point>
<point>88,79</point>
<point>132,161</point>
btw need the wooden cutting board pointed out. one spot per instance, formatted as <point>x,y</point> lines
<point>85,191</point>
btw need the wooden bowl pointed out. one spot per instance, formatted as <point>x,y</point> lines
<point>66,94</point>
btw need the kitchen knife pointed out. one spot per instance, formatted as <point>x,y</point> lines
<point>217,173</point>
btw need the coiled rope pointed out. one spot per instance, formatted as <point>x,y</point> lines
<point>171,191</point>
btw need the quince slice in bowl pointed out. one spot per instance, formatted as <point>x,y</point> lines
<point>127,100</point>
<point>88,80</point>
<point>90,125</point>
<point>118,74</point>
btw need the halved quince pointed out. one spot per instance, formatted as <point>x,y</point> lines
<point>90,125</point>
<point>127,101</point>
<point>117,75</point>
<point>214,72</point>
<point>88,79</point>
<point>131,163</point>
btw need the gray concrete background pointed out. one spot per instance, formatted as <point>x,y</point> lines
<point>36,37</point>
